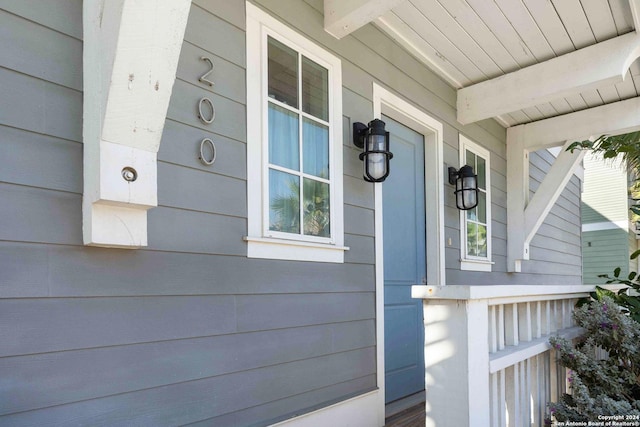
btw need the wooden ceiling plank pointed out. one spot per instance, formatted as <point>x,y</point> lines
<point>342,17</point>
<point>551,26</point>
<point>600,19</point>
<point>575,21</point>
<point>609,94</point>
<point>547,110</point>
<point>478,30</point>
<point>526,27</point>
<point>430,33</point>
<point>417,46</point>
<point>459,37</point>
<point>560,77</point>
<point>625,88</point>
<point>621,15</point>
<point>592,98</point>
<point>576,102</point>
<point>561,106</point>
<point>634,5</point>
<point>502,28</point>
<point>533,113</point>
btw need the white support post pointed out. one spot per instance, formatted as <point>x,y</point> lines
<point>517,198</point>
<point>130,57</point>
<point>456,368</point>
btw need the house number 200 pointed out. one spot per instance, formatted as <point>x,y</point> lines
<point>207,114</point>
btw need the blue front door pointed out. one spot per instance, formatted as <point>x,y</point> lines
<point>404,262</point>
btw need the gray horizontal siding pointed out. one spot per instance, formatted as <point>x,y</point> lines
<point>143,366</point>
<point>196,400</point>
<point>604,251</point>
<point>188,329</point>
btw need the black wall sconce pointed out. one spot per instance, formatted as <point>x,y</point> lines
<point>376,155</point>
<point>466,183</point>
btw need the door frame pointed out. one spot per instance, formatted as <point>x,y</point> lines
<point>389,104</point>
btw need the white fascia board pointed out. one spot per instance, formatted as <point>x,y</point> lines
<point>611,119</point>
<point>342,17</point>
<point>130,57</point>
<point>569,74</point>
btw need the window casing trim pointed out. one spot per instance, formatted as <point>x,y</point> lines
<point>263,242</point>
<point>469,262</point>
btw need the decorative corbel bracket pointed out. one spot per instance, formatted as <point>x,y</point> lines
<point>130,58</point>
<point>524,215</point>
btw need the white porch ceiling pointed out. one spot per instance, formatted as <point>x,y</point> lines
<point>472,41</point>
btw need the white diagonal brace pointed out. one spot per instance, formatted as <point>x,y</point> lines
<point>130,57</point>
<point>611,119</point>
<point>342,17</point>
<point>550,190</point>
<point>565,75</point>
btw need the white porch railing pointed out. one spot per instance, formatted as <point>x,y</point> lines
<point>487,354</point>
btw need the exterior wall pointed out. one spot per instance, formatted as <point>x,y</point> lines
<point>189,330</point>
<point>607,239</point>
<point>603,251</point>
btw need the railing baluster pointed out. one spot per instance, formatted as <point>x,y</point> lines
<point>501,327</point>
<point>493,330</point>
<point>537,319</point>
<point>525,330</point>
<point>511,324</point>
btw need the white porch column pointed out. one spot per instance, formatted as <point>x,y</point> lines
<point>457,362</point>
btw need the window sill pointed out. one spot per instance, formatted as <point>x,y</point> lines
<point>268,248</point>
<point>475,265</point>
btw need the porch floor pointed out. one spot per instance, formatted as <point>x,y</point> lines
<point>412,417</point>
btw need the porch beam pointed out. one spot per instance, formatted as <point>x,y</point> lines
<point>130,58</point>
<point>611,119</point>
<point>559,77</point>
<point>342,17</point>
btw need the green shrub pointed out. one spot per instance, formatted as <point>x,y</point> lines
<point>600,387</point>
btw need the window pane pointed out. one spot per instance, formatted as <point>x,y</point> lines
<point>283,73</point>
<point>284,143</point>
<point>482,173</point>
<point>315,148</point>
<point>472,239</point>
<point>472,214</point>
<point>284,202</point>
<point>482,207</point>
<point>482,241</point>
<point>316,208</point>
<point>315,89</point>
<point>471,160</point>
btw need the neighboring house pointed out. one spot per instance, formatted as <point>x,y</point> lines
<point>609,237</point>
<point>186,236</point>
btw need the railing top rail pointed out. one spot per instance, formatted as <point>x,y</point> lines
<point>502,293</point>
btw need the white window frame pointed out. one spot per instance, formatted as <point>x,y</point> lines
<point>473,263</point>
<point>262,242</point>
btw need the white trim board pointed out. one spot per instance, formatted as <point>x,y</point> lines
<point>360,411</point>
<point>606,225</point>
<point>385,102</point>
